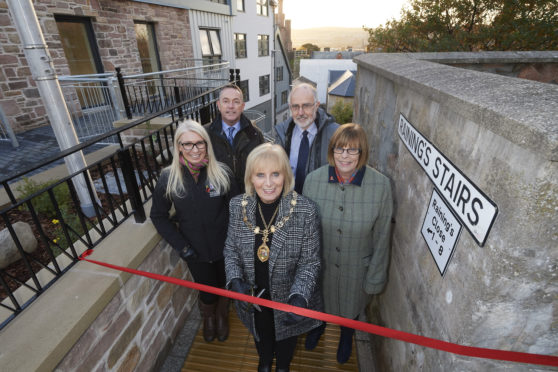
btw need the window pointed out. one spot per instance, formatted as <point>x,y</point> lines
<point>284,96</point>
<point>219,1</point>
<point>240,5</point>
<point>210,45</point>
<point>243,85</point>
<point>261,7</point>
<point>264,84</point>
<point>147,47</point>
<point>240,45</point>
<point>80,48</point>
<point>279,73</point>
<point>263,45</point>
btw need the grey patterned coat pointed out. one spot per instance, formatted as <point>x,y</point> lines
<point>356,222</point>
<point>294,262</point>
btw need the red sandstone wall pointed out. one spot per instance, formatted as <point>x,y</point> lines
<point>113,24</point>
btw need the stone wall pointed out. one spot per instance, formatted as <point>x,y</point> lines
<point>541,66</point>
<point>135,330</point>
<point>501,133</point>
<point>113,25</point>
<point>95,318</point>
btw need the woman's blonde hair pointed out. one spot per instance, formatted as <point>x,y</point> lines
<point>349,134</point>
<point>268,155</point>
<point>217,172</point>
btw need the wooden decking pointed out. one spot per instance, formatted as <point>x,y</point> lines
<point>238,353</point>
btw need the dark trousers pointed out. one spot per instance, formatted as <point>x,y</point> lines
<point>209,273</point>
<point>268,347</point>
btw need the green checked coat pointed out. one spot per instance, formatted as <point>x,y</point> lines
<point>356,228</point>
<point>294,260</point>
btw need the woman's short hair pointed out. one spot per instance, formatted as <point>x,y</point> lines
<point>268,155</point>
<point>349,135</point>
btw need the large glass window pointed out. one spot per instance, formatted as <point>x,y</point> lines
<point>243,85</point>
<point>240,5</point>
<point>80,49</point>
<point>261,7</point>
<point>263,45</point>
<point>78,42</point>
<point>240,45</point>
<point>264,84</point>
<point>210,45</point>
<point>147,47</point>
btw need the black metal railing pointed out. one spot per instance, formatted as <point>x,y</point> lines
<point>152,92</point>
<point>118,185</point>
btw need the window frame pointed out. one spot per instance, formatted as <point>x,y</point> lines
<point>279,73</point>
<point>237,41</point>
<point>264,80</point>
<point>261,38</point>
<point>243,8</point>
<point>210,40</point>
<point>245,87</point>
<point>284,97</point>
<point>262,8</point>
<point>150,32</point>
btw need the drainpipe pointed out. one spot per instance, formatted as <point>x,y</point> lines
<point>273,4</point>
<point>42,70</point>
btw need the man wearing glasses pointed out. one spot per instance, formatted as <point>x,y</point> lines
<point>306,133</point>
<point>232,134</point>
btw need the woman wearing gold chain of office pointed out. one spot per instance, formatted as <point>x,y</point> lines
<point>273,250</point>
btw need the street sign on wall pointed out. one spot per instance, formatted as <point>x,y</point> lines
<point>473,208</point>
<point>440,230</point>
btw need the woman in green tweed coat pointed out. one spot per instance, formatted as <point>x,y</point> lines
<point>355,206</point>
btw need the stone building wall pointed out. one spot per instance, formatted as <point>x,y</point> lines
<point>113,25</point>
<point>135,330</point>
<point>501,133</point>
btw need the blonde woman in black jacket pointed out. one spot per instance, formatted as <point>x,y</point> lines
<point>199,187</point>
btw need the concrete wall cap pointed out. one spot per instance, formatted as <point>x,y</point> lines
<point>523,111</point>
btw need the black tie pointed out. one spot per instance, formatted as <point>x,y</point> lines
<point>301,162</point>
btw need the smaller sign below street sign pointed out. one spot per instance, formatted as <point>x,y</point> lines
<point>440,230</point>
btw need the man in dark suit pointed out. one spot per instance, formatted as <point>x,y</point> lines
<point>232,134</point>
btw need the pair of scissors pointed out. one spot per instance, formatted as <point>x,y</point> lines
<point>260,293</point>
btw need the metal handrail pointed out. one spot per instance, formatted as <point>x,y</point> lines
<point>140,169</point>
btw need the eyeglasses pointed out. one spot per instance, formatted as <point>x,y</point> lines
<point>352,151</point>
<point>188,146</point>
<point>305,106</point>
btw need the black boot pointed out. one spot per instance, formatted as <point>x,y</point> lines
<point>313,337</point>
<point>208,314</point>
<point>264,367</point>
<point>222,312</point>
<point>345,347</point>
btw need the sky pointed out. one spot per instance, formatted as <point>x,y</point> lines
<point>340,13</point>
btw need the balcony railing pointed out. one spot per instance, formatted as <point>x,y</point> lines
<point>151,92</point>
<point>119,184</point>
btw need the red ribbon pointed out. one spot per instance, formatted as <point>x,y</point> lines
<point>477,352</point>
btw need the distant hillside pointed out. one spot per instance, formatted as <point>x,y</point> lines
<point>333,37</point>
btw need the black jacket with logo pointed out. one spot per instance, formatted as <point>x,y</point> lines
<point>202,216</point>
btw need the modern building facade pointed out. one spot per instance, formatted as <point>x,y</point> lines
<point>139,37</point>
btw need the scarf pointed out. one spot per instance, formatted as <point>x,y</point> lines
<point>194,169</point>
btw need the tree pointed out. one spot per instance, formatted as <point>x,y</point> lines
<point>311,47</point>
<point>342,112</point>
<point>469,25</point>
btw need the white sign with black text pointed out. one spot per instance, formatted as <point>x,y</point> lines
<point>440,230</point>
<point>468,202</point>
